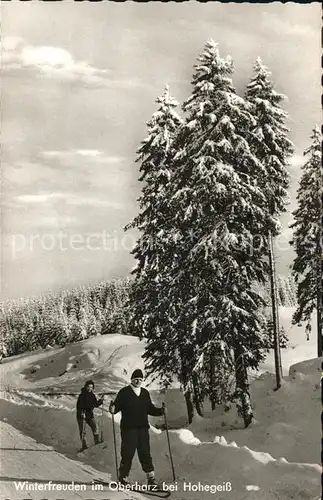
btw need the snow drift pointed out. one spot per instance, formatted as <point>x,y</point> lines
<point>277,457</point>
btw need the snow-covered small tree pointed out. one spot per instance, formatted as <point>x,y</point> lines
<point>270,143</point>
<point>307,239</point>
<point>283,338</point>
<point>292,289</point>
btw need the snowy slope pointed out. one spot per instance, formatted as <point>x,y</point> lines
<point>276,458</point>
<point>287,422</point>
<point>109,360</point>
<point>208,463</point>
<point>25,462</point>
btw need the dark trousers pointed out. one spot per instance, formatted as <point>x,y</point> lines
<point>91,423</point>
<point>132,440</point>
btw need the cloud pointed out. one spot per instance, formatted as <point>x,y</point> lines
<point>46,56</point>
<point>285,26</point>
<point>11,43</point>
<point>295,168</point>
<point>89,152</point>
<point>54,221</point>
<point>297,161</point>
<point>101,172</point>
<point>58,64</point>
<point>87,183</point>
<point>70,199</point>
<point>95,202</point>
<point>75,157</point>
<point>48,62</point>
<point>40,198</point>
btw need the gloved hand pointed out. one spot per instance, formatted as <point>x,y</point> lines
<point>112,408</point>
<point>164,409</point>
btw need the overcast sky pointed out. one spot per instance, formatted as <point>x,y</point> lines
<point>79,81</point>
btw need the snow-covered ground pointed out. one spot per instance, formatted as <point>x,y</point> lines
<point>299,348</point>
<point>277,457</point>
<point>26,464</point>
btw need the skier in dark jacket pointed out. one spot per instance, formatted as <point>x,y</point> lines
<point>135,405</point>
<point>86,402</point>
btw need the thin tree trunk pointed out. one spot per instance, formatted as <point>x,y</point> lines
<point>319,324</point>
<point>184,379</point>
<point>242,386</point>
<point>197,402</point>
<point>189,406</point>
<point>319,293</point>
<point>278,363</point>
<point>212,381</point>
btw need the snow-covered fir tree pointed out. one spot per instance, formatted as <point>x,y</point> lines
<point>150,298</point>
<point>307,239</point>
<point>283,337</point>
<point>59,319</point>
<point>219,210</point>
<point>269,139</point>
<point>270,143</point>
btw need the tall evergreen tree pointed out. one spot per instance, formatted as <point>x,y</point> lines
<point>307,239</point>
<point>270,143</point>
<point>219,209</point>
<point>150,313</point>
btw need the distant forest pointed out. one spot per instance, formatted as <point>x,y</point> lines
<point>80,313</point>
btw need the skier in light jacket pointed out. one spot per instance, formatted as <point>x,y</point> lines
<point>135,405</point>
<point>85,405</point>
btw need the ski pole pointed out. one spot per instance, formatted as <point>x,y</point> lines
<point>115,442</point>
<point>168,441</point>
<point>101,424</point>
<point>83,429</point>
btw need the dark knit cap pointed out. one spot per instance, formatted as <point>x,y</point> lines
<point>89,382</point>
<point>137,374</point>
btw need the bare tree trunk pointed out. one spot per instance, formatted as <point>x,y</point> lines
<point>212,380</point>
<point>242,387</point>
<point>197,402</point>
<point>185,379</point>
<point>319,293</point>
<point>189,406</point>
<point>319,324</point>
<point>274,305</point>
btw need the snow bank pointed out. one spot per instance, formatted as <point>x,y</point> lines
<point>197,464</point>
<point>311,367</point>
<point>280,448</point>
<point>286,422</point>
<point>187,437</point>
